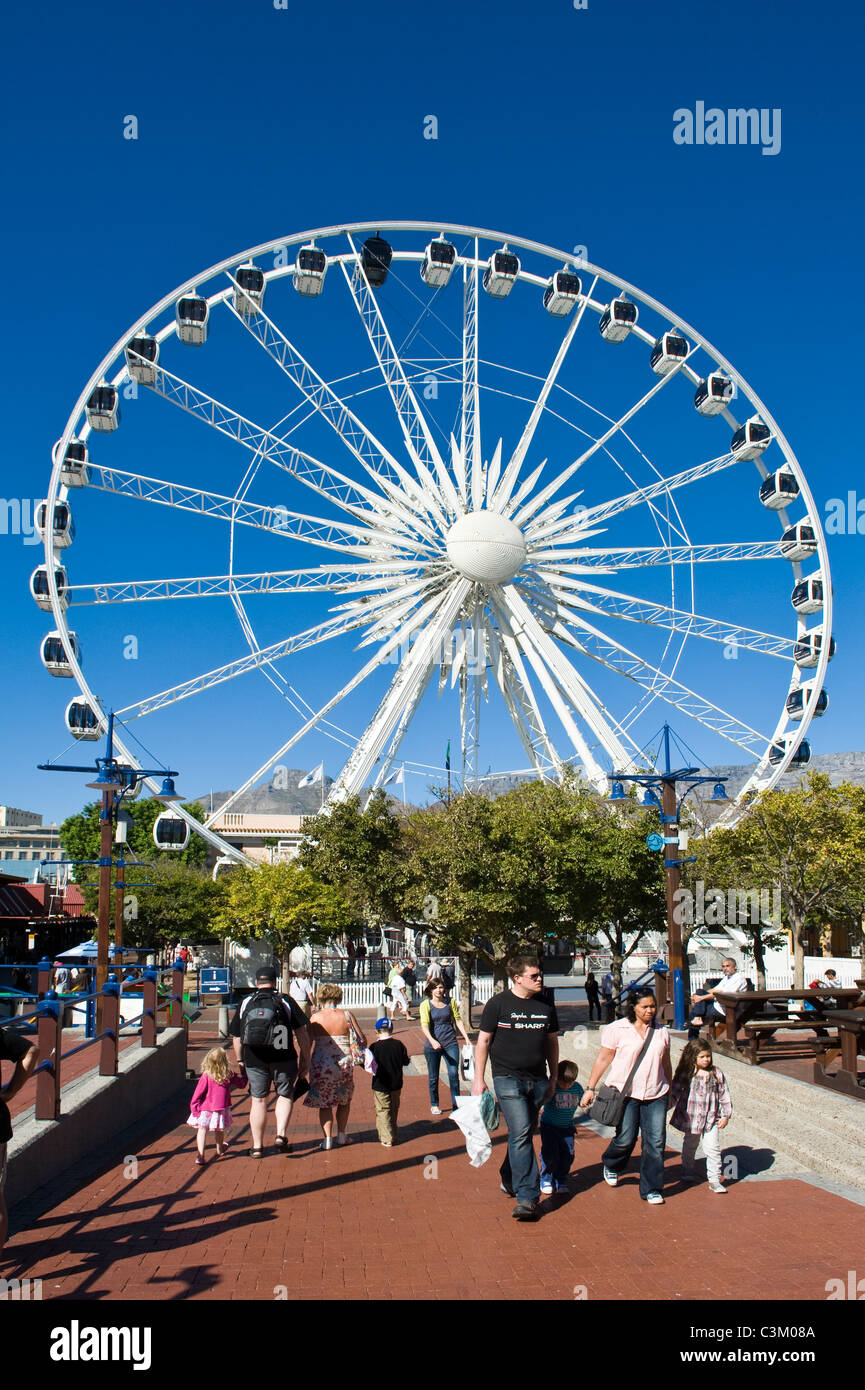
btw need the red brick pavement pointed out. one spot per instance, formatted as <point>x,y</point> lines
<point>364,1222</point>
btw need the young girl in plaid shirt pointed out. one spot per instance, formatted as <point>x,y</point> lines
<point>702,1107</point>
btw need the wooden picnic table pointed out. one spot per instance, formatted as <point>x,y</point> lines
<point>851,1038</point>
<point>740,1008</point>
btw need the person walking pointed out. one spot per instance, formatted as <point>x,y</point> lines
<point>700,1098</point>
<point>519,1034</point>
<point>350,958</point>
<point>636,1039</point>
<point>331,1071</point>
<point>558,1127</point>
<point>397,985</point>
<point>410,978</point>
<point>210,1107</point>
<point>25,1054</point>
<point>439,1020</point>
<point>301,991</point>
<point>360,957</point>
<point>390,1058</point>
<point>593,996</point>
<point>263,1028</point>
<point>607,992</point>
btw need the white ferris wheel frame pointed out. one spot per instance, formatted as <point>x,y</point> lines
<point>612,654</point>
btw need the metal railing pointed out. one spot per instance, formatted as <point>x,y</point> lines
<point>48,1017</point>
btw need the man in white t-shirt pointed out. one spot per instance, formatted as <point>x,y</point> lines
<point>301,991</point>
<point>706,1007</point>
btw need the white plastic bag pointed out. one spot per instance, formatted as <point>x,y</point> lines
<point>467,1063</point>
<point>468,1116</point>
<point>369,1062</point>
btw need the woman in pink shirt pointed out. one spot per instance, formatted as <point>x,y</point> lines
<point>645,1111</point>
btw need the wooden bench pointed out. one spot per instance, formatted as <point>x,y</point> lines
<point>759,1029</point>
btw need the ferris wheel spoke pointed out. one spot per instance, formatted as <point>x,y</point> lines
<point>277,651</point>
<point>606,650</point>
<point>643,557</point>
<point>414,671</point>
<point>418,437</point>
<point>351,540</point>
<point>375,459</point>
<point>470,474</point>
<point>637,610</point>
<point>320,579</point>
<point>502,495</point>
<point>513,681</point>
<point>571,685</point>
<point>605,510</point>
<point>533,507</point>
<point>324,480</point>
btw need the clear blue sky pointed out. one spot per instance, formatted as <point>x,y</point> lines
<point>554,124</point>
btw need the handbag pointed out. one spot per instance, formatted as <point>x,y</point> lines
<point>355,1046</point>
<point>609,1104</point>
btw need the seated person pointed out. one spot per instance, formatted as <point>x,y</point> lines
<point>705,1007</point>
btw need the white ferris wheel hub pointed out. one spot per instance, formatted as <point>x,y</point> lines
<point>486,547</point>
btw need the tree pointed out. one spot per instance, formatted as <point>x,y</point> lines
<point>545,858</point>
<point>810,842</point>
<point>79,834</point>
<point>361,853</point>
<point>724,903</point>
<point>167,901</point>
<point>284,904</point>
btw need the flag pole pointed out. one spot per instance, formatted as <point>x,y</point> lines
<point>403,786</point>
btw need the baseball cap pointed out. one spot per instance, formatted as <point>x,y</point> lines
<point>383,1025</point>
<point>265,972</point>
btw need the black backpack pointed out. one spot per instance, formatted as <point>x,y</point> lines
<point>264,1013</point>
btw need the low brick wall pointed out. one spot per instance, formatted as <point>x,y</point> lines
<point>95,1110</point>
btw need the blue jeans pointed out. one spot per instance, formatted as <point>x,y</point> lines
<point>451,1054</point>
<point>648,1118</point>
<point>557,1153</point>
<point>520,1100</point>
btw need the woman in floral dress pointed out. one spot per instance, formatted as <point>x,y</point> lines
<point>331,1070</point>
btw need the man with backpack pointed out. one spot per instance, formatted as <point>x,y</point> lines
<point>262,1030</point>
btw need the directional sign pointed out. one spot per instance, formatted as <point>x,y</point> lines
<point>215,980</point>
<point>655,841</point>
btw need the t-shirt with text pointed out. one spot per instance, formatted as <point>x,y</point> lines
<point>520,1029</point>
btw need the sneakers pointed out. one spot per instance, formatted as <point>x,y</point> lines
<point>717,1187</point>
<point>435,1110</point>
<point>546,1188</point>
<point>611,1178</point>
<point>655,1199</point>
<point>525,1211</point>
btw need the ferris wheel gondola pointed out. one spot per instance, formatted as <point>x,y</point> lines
<point>714,394</point>
<point>54,655</point>
<point>40,590</point>
<point>191,315</point>
<point>438,263</point>
<point>62,527</point>
<point>562,293</point>
<point>170,831</point>
<point>103,408</point>
<point>668,353</point>
<point>617,319</point>
<point>310,270</point>
<point>82,719</point>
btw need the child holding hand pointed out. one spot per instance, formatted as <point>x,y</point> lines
<point>211,1101</point>
<point>702,1107</point>
<point>558,1127</point>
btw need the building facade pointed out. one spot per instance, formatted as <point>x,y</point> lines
<point>24,837</point>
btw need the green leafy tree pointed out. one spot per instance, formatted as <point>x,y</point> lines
<point>811,843</point>
<point>79,834</point>
<point>284,904</point>
<point>360,852</point>
<point>165,901</point>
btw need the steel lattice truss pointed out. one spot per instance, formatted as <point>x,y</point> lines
<point>461,561</point>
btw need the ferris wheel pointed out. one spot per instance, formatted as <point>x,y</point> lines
<point>498,471</point>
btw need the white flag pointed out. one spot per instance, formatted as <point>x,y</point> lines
<point>397,777</point>
<point>316,775</point>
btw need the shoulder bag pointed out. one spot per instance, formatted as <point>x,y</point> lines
<point>609,1104</point>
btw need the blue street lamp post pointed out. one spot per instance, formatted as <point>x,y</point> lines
<point>670,808</point>
<point>114,780</point>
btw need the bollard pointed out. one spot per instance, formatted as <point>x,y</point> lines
<point>48,1079</point>
<point>110,1024</point>
<point>148,1005</point>
<point>175,1008</point>
<point>43,977</point>
<point>223,1022</point>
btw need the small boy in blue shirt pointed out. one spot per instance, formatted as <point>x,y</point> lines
<point>558,1119</point>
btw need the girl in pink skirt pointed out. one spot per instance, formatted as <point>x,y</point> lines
<point>211,1101</point>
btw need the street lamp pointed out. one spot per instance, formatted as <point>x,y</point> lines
<point>666,782</point>
<point>115,781</point>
